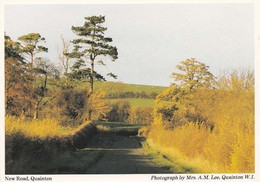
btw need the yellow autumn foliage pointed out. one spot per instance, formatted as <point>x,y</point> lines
<point>228,147</point>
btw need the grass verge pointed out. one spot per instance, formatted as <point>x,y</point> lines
<point>164,158</point>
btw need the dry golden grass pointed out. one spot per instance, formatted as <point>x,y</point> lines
<point>35,128</point>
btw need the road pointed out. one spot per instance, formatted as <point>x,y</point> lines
<point>120,155</point>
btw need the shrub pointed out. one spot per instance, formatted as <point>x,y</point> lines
<point>69,106</point>
<point>122,112</point>
<point>153,95</point>
<point>119,112</point>
<point>140,116</point>
<point>98,106</point>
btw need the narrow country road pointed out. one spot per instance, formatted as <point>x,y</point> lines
<point>120,155</point>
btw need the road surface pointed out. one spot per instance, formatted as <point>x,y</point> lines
<point>120,155</point>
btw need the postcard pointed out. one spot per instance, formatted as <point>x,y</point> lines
<point>129,91</point>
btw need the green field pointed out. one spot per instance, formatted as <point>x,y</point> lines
<point>146,88</point>
<point>117,87</point>
<point>124,87</point>
<point>133,87</point>
<point>135,102</point>
<point>113,86</point>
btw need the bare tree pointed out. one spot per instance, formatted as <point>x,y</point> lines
<point>64,59</point>
<point>44,71</point>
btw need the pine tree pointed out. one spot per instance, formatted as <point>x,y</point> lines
<point>31,46</point>
<point>91,45</point>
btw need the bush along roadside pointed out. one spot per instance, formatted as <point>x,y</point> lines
<point>81,135</point>
<point>27,155</point>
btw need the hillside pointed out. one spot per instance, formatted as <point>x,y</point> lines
<point>126,87</point>
<point>140,95</point>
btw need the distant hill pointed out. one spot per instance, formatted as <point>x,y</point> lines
<point>126,87</point>
<point>117,88</point>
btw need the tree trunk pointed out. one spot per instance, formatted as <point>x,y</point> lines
<point>89,114</point>
<point>36,114</point>
<point>92,77</point>
<point>92,58</point>
<point>91,85</point>
<point>32,61</point>
<point>45,83</point>
<point>23,114</point>
<point>38,105</point>
<point>67,78</point>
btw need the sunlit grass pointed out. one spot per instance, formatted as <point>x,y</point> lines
<point>173,159</point>
<point>117,126</point>
<point>103,128</point>
<point>35,128</point>
<point>146,88</point>
<point>126,88</point>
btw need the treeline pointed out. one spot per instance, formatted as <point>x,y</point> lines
<point>69,107</point>
<point>24,96</point>
<point>204,122</point>
<point>41,91</point>
<point>130,94</point>
<point>34,87</point>
<point>46,113</point>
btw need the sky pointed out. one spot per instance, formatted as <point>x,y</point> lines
<point>151,38</point>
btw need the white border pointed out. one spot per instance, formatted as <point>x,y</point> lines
<point>2,93</point>
<point>120,178</point>
<point>257,88</point>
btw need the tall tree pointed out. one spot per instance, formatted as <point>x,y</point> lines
<point>194,74</point>
<point>192,78</point>
<point>30,46</point>
<point>92,45</point>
